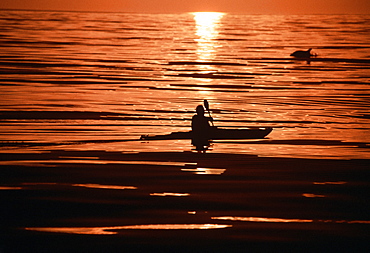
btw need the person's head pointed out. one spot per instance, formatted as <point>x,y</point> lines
<point>200,110</point>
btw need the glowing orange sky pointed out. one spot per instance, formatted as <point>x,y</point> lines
<point>168,6</point>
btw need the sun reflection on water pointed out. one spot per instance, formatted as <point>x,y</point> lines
<point>207,24</point>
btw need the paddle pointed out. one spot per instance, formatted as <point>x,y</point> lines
<point>206,105</point>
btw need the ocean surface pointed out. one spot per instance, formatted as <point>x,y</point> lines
<point>98,81</point>
<point>79,89</point>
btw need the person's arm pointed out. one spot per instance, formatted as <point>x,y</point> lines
<point>210,119</point>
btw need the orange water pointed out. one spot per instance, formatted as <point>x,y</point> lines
<point>93,81</point>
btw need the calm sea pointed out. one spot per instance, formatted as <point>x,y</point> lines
<point>98,81</point>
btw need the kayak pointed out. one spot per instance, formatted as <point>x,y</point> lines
<point>216,134</point>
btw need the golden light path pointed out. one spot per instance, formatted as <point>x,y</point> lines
<point>207,31</point>
<point>207,25</point>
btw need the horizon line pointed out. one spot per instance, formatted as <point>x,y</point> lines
<point>179,12</point>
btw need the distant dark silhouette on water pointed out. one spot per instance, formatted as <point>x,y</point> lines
<point>201,129</point>
<point>302,54</point>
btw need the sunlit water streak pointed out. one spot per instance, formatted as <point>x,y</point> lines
<point>280,220</point>
<point>109,187</point>
<point>27,186</point>
<point>170,194</point>
<point>207,24</point>
<point>70,78</point>
<point>107,230</point>
<point>115,229</point>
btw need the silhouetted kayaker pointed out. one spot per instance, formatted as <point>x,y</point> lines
<point>199,122</point>
<point>201,129</point>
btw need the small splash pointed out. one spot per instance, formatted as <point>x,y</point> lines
<point>171,194</point>
<point>107,230</point>
<point>110,187</point>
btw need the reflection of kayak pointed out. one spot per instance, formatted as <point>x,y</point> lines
<point>216,134</point>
